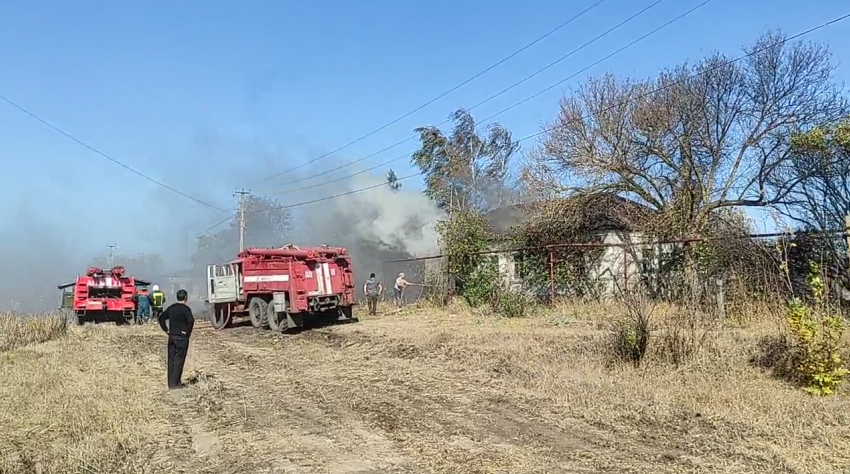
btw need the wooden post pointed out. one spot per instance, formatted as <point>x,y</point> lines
<point>721,298</point>
<point>551,277</point>
<point>625,269</point>
<point>847,234</point>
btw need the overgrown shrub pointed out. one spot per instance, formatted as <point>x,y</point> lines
<point>512,304</point>
<point>816,332</point>
<point>481,285</point>
<point>684,336</point>
<point>629,335</point>
<point>465,236</point>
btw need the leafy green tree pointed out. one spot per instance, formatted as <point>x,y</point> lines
<point>465,169</point>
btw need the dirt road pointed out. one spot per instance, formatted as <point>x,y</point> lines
<point>354,398</point>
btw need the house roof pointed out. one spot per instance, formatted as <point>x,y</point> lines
<point>588,212</point>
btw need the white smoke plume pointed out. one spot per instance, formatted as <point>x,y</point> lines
<point>375,224</point>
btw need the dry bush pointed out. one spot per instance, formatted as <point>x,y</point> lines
<point>661,333</point>
<point>18,330</point>
<point>629,334</point>
<point>684,337</point>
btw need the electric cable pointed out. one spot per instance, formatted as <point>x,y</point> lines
<point>458,86</point>
<point>104,155</point>
<point>494,96</point>
<point>517,104</point>
<point>619,104</point>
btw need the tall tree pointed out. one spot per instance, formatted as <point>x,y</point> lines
<point>267,224</point>
<point>820,163</point>
<point>465,169</point>
<point>695,139</point>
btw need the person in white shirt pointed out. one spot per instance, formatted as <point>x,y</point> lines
<point>398,288</point>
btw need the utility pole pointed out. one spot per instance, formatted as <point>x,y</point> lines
<point>242,193</point>
<point>112,248</point>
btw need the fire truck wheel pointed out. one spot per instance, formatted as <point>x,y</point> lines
<point>277,321</point>
<point>221,316</point>
<point>258,311</point>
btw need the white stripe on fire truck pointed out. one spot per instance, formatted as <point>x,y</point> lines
<point>326,272</point>
<point>320,278</point>
<point>265,278</point>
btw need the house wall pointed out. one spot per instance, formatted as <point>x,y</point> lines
<point>619,265</point>
<point>617,270</point>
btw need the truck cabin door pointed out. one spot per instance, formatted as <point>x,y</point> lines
<point>221,284</point>
<point>210,283</point>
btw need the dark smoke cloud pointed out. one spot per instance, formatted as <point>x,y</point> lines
<point>41,251</point>
<point>35,258</point>
<point>375,225</point>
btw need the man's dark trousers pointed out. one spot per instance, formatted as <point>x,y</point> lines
<point>178,348</point>
<point>372,304</point>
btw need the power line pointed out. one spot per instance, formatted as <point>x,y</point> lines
<point>201,233</point>
<point>104,155</point>
<point>619,104</point>
<point>675,83</point>
<point>517,104</point>
<point>498,94</point>
<point>458,86</point>
<point>599,61</point>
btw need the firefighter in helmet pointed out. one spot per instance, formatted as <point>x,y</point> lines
<point>157,301</point>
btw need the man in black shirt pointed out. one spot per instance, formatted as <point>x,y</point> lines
<point>179,330</point>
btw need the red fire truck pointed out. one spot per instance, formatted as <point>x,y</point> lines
<point>282,288</point>
<point>100,296</point>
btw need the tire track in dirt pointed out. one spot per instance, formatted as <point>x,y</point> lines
<point>447,422</point>
<point>472,421</point>
<point>290,430</point>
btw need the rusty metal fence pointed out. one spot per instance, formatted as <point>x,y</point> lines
<point>565,271</point>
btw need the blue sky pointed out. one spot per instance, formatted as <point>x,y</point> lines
<point>207,96</point>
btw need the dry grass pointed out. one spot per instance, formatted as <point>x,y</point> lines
<point>18,330</point>
<point>418,390</point>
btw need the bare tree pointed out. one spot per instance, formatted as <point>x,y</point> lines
<point>820,162</point>
<point>695,139</point>
<point>465,169</point>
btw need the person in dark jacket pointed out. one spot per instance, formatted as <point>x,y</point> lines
<point>180,323</point>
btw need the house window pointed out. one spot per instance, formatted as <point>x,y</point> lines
<point>518,272</point>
